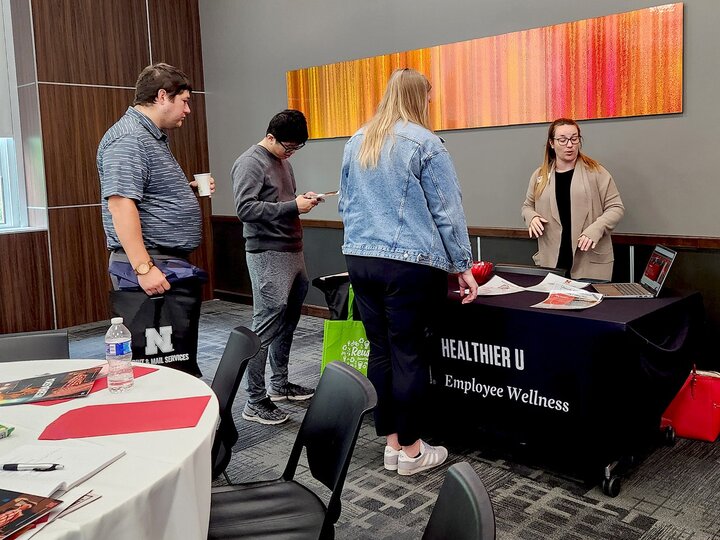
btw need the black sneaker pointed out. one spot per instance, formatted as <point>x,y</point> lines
<point>293,392</point>
<point>264,412</point>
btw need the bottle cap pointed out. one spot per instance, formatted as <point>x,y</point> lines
<point>116,320</point>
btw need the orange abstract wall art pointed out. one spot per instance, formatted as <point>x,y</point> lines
<point>627,64</point>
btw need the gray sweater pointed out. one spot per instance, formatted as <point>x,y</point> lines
<point>264,188</point>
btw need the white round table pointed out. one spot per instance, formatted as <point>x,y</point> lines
<point>160,489</point>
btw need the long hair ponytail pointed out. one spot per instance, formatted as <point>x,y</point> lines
<point>405,98</point>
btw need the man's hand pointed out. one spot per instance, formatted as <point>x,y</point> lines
<point>194,185</point>
<point>306,202</point>
<point>154,282</point>
<point>127,225</point>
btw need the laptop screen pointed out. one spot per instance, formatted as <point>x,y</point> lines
<point>657,268</point>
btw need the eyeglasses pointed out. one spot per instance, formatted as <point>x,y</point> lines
<point>563,141</point>
<point>290,149</point>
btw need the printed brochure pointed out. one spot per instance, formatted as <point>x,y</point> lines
<point>70,384</point>
<point>570,299</point>
<point>18,510</point>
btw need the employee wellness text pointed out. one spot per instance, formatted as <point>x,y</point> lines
<point>499,356</point>
<point>529,397</point>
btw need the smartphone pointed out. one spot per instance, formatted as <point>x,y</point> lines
<point>322,195</point>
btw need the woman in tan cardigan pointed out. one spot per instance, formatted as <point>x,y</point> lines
<point>571,206</point>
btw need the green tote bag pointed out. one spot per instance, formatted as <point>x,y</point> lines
<point>345,341</point>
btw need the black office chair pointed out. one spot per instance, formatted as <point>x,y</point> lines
<point>241,346</point>
<point>283,508</point>
<point>43,345</point>
<point>463,510</point>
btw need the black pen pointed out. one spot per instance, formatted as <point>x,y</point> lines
<point>32,467</point>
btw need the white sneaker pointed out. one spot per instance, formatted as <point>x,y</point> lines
<point>430,456</point>
<point>391,458</point>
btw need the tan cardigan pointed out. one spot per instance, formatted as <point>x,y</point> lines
<point>596,209</point>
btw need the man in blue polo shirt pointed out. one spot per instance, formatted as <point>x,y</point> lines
<point>147,202</point>
<point>149,209</point>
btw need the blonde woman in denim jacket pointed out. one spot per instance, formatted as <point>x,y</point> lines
<point>405,229</point>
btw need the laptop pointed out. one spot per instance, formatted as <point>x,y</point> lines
<point>651,282</point>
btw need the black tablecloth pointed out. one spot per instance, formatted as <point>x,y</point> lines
<point>581,388</point>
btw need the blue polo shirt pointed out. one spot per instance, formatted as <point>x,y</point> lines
<point>134,161</point>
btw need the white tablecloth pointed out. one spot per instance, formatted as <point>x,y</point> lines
<point>159,490</point>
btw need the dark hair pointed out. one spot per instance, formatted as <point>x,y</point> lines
<point>289,126</point>
<point>160,76</point>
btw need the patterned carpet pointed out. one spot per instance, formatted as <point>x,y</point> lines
<point>674,494</point>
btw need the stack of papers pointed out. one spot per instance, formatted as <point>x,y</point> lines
<point>79,463</point>
<point>553,282</point>
<point>564,293</point>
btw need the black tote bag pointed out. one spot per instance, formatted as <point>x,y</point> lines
<point>164,328</point>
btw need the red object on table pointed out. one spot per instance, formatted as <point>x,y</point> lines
<point>120,418</point>
<point>481,271</point>
<point>101,384</point>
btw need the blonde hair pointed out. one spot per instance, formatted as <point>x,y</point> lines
<point>549,157</point>
<point>406,98</point>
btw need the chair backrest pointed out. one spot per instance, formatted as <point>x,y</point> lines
<point>241,346</point>
<point>43,345</point>
<point>330,429</point>
<point>463,510</point>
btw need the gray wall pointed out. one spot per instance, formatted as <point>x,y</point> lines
<point>665,166</point>
<point>6,125</point>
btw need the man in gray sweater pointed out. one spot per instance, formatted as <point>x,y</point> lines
<point>266,203</point>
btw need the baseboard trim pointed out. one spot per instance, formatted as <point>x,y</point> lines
<point>233,296</point>
<point>245,298</point>
<point>316,311</point>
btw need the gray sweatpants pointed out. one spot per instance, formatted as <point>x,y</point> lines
<point>279,285</point>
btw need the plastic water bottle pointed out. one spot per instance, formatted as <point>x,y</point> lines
<point>118,353</point>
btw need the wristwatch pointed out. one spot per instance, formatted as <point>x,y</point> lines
<point>143,268</point>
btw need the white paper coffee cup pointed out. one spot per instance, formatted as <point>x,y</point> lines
<point>203,184</point>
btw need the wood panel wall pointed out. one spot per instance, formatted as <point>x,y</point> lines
<point>87,55</point>
<point>70,139</point>
<point>25,283</point>
<point>175,29</point>
<point>98,42</point>
<point>79,260</point>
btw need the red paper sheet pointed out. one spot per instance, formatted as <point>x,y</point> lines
<point>101,384</point>
<point>119,418</point>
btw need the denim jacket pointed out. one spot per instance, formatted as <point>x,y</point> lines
<point>409,207</point>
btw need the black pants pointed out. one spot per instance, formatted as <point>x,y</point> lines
<point>398,302</point>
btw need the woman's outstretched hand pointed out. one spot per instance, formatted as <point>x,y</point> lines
<point>468,286</point>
